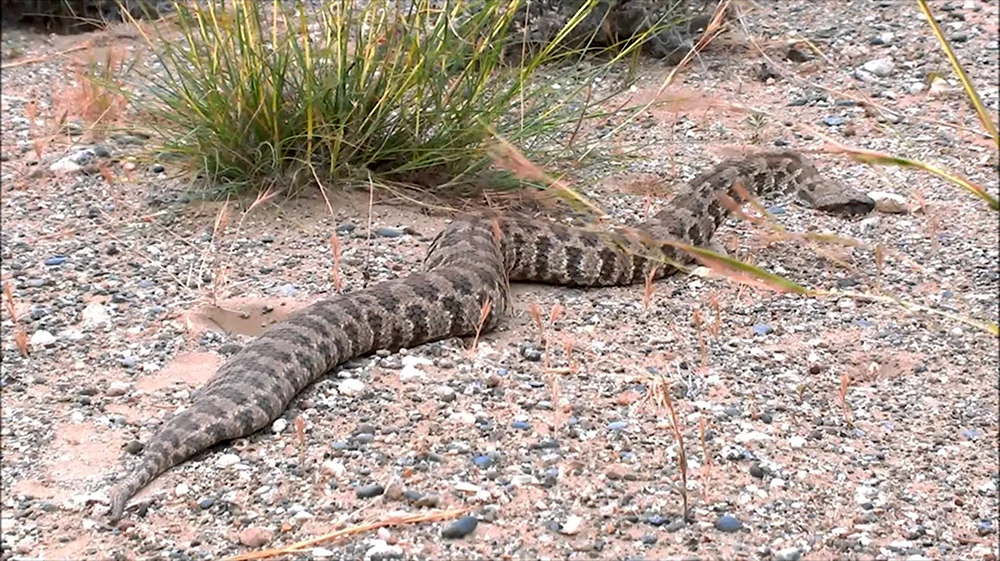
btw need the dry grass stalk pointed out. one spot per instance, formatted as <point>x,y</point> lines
<point>300,436</point>
<point>659,393</point>
<point>647,293</point>
<point>970,89</point>
<point>845,382</point>
<point>39,145</point>
<point>20,337</point>
<point>879,265</point>
<point>706,468</point>
<point>484,314</point>
<point>716,327</point>
<point>367,526</point>
<point>568,345</point>
<point>507,157</point>
<point>536,315</point>
<point>338,283</point>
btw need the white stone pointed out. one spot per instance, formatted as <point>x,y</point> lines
<point>227,460</point>
<point>334,468</point>
<point>751,436</point>
<point>889,203</point>
<point>463,418</point>
<point>181,490</point>
<point>71,334</point>
<point>788,554</point>
<point>464,487</point>
<point>410,373</point>
<point>572,526</point>
<point>95,315</point>
<point>881,67</point>
<point>351,387</point>
<point>321,553</point>
<point>41,338</point>
<point>939,89</point>
<point>381,550</point>
<point>279,426</point>
<point>796,442</point>
<point>411,360</point>
<point>65,166</point>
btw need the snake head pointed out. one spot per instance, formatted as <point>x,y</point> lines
<point>834,198</point>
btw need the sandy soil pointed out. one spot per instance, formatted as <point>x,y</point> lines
<point>814,428</point>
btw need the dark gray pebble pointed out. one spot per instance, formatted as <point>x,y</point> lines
<point>460,528</point>
<point>369,491</point>
<point>389,232</point>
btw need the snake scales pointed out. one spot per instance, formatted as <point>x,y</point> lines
<point>467,264</point>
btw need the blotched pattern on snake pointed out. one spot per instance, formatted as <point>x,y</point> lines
<point>468,264</point>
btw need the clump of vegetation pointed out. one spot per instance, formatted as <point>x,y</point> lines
<point>252,96</point>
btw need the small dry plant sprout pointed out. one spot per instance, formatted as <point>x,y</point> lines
<point>300,437</point>
<point>484,314</point>
<point>706,468</point>
<point>338,283</point>
<point>659,395</point>
<point>845,384</point>
<point>696,319</point>
<point>20,337</point>
<point>543,326</point>
<point>647,293</point>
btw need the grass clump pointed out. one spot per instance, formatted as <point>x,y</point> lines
<point>252,96</point>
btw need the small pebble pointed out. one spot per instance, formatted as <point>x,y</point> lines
<point>788,554</point>
<point>881,67</point>
<point>227,460</point>
<point>460,528</point>
<point>369,491</point>
<point>256,536</point>
<point>728,523</point>
<point>351,387</point>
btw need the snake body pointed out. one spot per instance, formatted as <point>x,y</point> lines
<point>463,290</point>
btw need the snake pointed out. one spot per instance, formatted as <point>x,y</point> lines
<point>463,289</point>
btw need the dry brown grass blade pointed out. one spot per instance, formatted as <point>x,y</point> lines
<point>647,292</point>
<point>845,383</point>
<point>707,466</point>
<point>484,314</point>
<point>20,337</point>
<point>873,157</point>
<point>338,283</point>
<point>660,395</point>
<point>970,90</point>
<point>418,518</point>
<point>38,59</point>
<point>507,157</point>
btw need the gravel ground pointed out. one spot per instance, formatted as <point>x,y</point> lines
<point>557,453</point>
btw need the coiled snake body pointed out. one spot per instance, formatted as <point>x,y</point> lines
<point>468,265</point>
